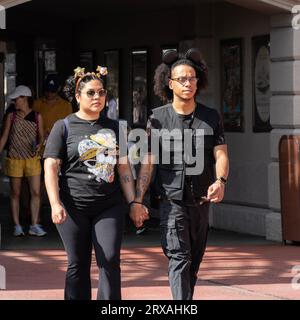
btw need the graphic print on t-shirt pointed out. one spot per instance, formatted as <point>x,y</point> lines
<point>99,154</point>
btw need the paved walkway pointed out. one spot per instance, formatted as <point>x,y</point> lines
<point>240,268</point>
<point>235,266</point>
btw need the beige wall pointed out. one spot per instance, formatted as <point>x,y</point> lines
<point>249,151</point>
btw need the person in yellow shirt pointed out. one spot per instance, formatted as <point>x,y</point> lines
<point>51,106</point>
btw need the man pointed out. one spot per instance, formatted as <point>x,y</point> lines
<point>185,188</point>
<point>51,106</point>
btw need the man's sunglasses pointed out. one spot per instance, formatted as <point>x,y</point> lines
<point>101,93</point>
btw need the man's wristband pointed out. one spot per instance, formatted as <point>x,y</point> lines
<point>132,202</point>
<point>222,180</point>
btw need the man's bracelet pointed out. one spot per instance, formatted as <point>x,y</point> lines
<point>222,180</point>
<point>132,202</point>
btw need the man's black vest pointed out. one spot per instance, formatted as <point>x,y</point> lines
<point>170,178</point>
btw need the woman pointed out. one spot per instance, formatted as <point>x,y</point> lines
<point>86,201</point>
<point>24,133</point>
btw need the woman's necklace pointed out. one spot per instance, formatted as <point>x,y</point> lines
<point>92,122</point>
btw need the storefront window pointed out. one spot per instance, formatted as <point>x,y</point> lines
<point>10,76</point>
<point>50,61</point>
<point>139,87</point>
<point>111,61</point>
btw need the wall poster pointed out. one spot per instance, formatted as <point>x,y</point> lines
<point>261,83</point>
<point>232,84</point>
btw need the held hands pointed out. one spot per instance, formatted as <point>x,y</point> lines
<point>215,192</point>
<point>58,214</point>
<point>138,214</point>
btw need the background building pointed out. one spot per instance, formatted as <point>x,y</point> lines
<point>253,55</point>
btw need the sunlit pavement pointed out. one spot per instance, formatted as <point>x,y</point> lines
<point>235,267</point>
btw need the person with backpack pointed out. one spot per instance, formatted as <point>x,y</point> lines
<point>85,174</point>
<point>23,130</point>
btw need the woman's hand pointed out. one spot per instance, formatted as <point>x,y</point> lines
<point>58,214</point>
<point>138,214</point>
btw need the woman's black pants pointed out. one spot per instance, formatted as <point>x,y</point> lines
<point>80,233</point>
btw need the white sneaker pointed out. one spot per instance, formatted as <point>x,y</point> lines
<point>37,230</point>
<point>18,231</point>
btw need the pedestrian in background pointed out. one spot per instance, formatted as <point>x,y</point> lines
<point>23,130</point>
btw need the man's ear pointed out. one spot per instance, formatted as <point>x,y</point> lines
<point>171,84</point>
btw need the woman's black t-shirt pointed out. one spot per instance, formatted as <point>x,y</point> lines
<point>88,150</point>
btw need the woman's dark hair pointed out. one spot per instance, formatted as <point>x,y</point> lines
<point>171,59</point>
<point>70,89</point>
<point>30,101</point>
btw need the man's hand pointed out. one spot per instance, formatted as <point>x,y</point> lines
<point>215,192</point>
<point>138,214</point>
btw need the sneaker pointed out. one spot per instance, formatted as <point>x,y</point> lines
<point>18,231</point>
<point>37,230</point>
<point>140,230</point>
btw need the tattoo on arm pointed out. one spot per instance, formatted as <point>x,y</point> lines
<point>127,182</point>
<point>142,185</point>
<point>126,178</point>
<point>138,192</point>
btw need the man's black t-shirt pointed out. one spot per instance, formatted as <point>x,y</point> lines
<point>209,122</point>
<point>88,151</point>
<point>186,120</point>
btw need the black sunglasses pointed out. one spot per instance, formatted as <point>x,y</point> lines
<point>101,93</point>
